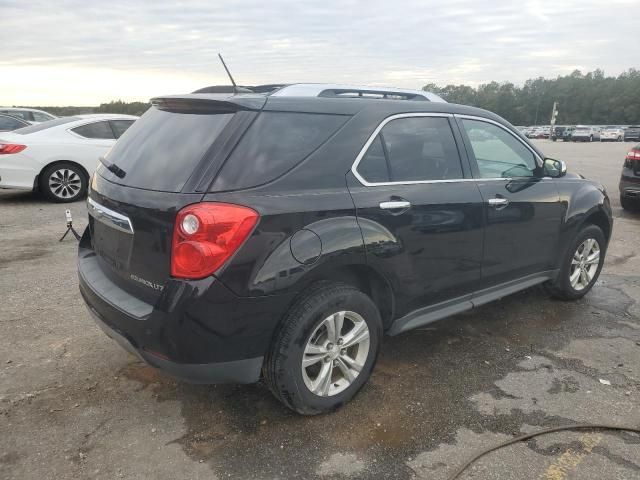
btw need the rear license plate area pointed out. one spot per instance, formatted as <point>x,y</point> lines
<point>111,245</point>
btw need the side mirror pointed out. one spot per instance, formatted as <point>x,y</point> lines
<point>554,168</point>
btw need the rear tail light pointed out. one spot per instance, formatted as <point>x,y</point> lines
<point>633,155</point>
<point>632,160</point>
<point>9,148</point>
<point>206,235</point>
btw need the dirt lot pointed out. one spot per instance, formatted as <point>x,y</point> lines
<point>74,405</point>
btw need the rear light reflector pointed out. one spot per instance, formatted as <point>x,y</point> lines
<point>206,235</point>
<point>9,148</point>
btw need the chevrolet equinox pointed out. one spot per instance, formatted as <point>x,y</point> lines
<point>282,230</point>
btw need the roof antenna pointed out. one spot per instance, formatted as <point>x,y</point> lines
<point>233,82</point>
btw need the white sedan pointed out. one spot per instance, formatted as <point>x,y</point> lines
<point>59,156</point>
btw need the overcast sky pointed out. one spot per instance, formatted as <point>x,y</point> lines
<point>84,52</point>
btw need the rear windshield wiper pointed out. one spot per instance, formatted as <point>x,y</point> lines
<point>113,168</point>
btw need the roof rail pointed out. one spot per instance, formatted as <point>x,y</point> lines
<point>354,91</point>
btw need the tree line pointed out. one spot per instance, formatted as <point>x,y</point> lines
<point>117,106</point>
<point>591,98</point>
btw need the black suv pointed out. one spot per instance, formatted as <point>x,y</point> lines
<point>630,180</point>
<point>285,232</point>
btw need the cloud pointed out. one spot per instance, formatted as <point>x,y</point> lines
<point>144,47</point>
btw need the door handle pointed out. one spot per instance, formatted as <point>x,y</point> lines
<point>498,202</point>
<point>395,205</point>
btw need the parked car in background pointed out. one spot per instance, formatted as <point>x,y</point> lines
<point>9,123</point>
<point>231,236</point>
<point>612,133</point>
<point>30,115</point>
<point>567,134</point>
<point>632,133</point>
<point>630,180</point>
<point>57,157</point>
<point>562,133</point>
<point>585,133</point>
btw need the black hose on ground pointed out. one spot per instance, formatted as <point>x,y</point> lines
<point>522,438</point>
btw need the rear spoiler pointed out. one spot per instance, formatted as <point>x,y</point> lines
<point>209,103</point>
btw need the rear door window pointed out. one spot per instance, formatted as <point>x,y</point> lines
<point>161,150</point>
<point>120,126</point>
<point>96,130</point>
<point>41,117</point>
<point>274,144</point>
<point>412,149</point>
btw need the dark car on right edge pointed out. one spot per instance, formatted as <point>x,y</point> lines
<point>282,234</point>
<point>632,133</point>
<point>630,180</point>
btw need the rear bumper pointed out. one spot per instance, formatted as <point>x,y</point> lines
<point>197,330</point>
<point>17,178</point>
<point>630,187</point>
<point>237,371</point>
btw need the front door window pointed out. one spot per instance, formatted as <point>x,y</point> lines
<point>498,153</point>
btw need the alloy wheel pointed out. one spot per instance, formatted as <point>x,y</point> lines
<point>584,264</point>
<point>65,183</point>
<point>335,353</point>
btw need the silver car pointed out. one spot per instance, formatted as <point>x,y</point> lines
<point>612,134</point>
<point>585,133</point>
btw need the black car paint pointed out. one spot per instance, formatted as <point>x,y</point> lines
<point>629,185</point>
<point>318,222</point>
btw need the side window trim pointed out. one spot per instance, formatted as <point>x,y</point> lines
<point>375,134</point>
<point>472,157</point>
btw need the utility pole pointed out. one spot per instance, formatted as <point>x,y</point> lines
<point>554,114</point>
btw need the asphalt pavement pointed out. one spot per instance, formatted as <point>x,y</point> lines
<point>74,405</point>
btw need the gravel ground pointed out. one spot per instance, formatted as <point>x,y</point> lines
<point>74,405</point>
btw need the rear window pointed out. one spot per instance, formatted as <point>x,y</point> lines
<point>44,125</point>
<point>273,145</point>
<point>161,150</point>
<point>98,130</point>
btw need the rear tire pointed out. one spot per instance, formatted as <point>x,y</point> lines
<point>63,182</point>
<point>306,335</point>
<point>581,265</point>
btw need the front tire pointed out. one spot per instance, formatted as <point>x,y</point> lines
<point>325,349</point>
<point>581,265</point>
<point>63,182</point>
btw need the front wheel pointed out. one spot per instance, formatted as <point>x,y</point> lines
<point>325,349</point>
<point>581,265</point>
<point>63,182</point>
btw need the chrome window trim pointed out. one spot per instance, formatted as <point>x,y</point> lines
<point>363,151</point>
<point>109,217</point>
<point>536,157</point>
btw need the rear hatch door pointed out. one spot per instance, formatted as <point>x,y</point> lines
<point>162,163</point>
